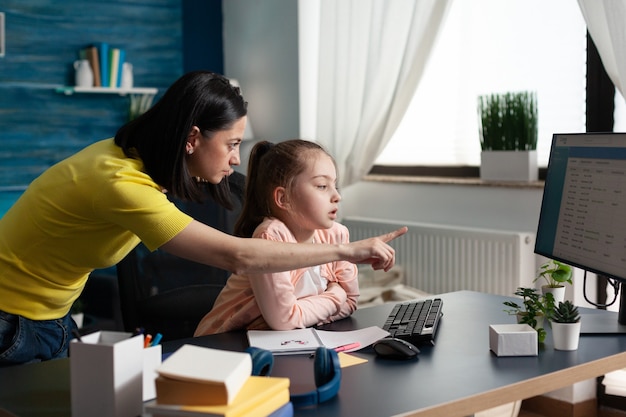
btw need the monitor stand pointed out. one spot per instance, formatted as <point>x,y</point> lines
<point>606,322</point>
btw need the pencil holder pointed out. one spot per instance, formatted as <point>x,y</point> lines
<point>106,375</point>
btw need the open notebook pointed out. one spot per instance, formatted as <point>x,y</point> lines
<point>300,341</point>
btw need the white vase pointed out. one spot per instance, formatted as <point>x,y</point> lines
<point>127,75</point>
<point>557,292</point>
<point>565,335</point>
<point>83,73</point>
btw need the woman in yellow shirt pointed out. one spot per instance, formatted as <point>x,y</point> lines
<point>89,210</point>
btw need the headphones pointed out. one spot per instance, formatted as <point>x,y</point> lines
<point>327,374</point>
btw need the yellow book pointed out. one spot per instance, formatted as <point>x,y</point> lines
<point>114,62</point>
<point>259,396</point>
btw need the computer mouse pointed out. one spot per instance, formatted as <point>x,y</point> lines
<point>394,348</point>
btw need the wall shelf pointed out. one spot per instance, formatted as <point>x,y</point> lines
<point>106,90</point>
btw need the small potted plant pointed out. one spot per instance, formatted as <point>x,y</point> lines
<point>565,323</point>
<point>535,308</point>
<point>556,274</point>
<point>508,136</point>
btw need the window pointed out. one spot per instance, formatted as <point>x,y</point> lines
<point>492,46</point>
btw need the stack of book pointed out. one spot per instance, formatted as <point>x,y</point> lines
<point>199,381</point>
<point>106,64</point>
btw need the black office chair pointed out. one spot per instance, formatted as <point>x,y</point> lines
<point>163,293</point>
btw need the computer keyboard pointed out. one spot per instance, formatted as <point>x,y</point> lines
<point>415,321</point>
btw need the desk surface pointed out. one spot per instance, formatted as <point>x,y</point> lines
<point>456,377</point>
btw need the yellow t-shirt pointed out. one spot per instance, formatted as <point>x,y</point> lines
<point>84,213</point>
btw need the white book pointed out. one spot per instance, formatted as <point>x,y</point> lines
<point>202,376</point>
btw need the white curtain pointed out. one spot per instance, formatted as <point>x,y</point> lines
<point>372,54</point>
<point>605,23</point>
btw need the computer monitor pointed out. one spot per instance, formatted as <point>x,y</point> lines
<point>583,213</point>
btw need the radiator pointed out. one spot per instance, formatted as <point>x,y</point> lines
<point>440,258</point>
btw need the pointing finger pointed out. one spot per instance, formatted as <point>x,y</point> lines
<point>392,235</point>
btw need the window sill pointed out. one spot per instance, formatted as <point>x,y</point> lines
<point>452,181</point>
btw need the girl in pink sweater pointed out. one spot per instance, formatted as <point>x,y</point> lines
<point>291,196</point>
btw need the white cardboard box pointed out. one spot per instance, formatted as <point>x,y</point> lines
<point>513,340</point>
<point>106,375</point>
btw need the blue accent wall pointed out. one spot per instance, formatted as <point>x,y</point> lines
<point>39,126</point>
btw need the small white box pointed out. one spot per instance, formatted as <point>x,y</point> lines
<point>513,340</point>
<point>106,375</point>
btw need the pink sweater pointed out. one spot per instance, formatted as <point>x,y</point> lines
<point>269,301</point>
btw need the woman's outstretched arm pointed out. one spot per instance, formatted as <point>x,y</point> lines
<point>201,243</point>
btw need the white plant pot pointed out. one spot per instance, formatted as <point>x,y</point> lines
<point>557,292</point>
<point>565,335</point>
<point>508,166</point>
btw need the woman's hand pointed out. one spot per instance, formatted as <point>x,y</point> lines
<point>375,250</point>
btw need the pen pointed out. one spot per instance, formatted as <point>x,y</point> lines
<point>146,340</point>
<point>349,346</point>
<point>157,339</point>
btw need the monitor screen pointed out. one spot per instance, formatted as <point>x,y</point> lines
<point>583,213</point>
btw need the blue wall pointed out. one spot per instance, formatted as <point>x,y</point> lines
<point>38,126</point>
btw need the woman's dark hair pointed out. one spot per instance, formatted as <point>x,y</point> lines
<point>270,166</point>
<point>158,137</point>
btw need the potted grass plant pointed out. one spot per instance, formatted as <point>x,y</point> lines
<point>565,322</point>
<point>508,136</point>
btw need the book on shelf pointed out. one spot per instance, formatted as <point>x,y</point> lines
<point>91,54</point>
<point>303,341</point>
<point>116,61</point>
<point>103,54</point>
<point>120,66</point>
<point>106,64</point>
<point>259,396</point>
<point>196,375</point>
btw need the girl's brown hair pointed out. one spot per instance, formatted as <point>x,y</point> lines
<point>270,166</point>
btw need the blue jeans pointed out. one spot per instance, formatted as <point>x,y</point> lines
<point>25,341</point>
